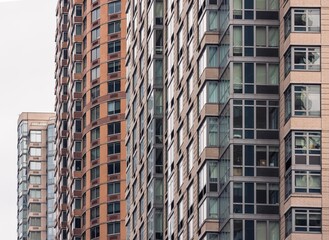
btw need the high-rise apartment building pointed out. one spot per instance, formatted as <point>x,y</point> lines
<point>226,119</point>
<point>35,176</point>
<point>90,120</point>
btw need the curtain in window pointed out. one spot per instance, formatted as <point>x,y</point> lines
<point>273,4</point>
<point>274,231</point>
<point>213,57</point>
<point>237,36</point>
<point>273,74</point>
<point>261,36</point>
<point>301,181</point>
<point>212,92</point>
<point>213,20</point>
<point>273,37</point>
<point>237,4</point>
<point>261,230</point>
<point>261,74</point>
<point>237,77</point>
<point>314,181</point>
<point>261,4</point>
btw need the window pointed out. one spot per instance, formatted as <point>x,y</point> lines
<point>94,93</point>
<point>78,29</point>
<point>35,152</point>
<point>189,120</point>
<point>114,27</point>
<point>113,107</point>
<point>35,166</point>
<point>94,212</point>
<point>303,220</point>
<point>114,46</point>
<point>94,193</point>
<point>302,20</point>
<point>190,157</point>
<point>209,58</point>
<point>95,34</point>
<point>180,174</point>
<point>113,208</point>
<point>209,22</point>
<point>94,173</point>
<point>302,181</point>
<point>113,168</point>
<point>35,193</point>
<point>94,232</point>
<point>95,73</point>
<point>113,86</point>
<point>267,5</point>
<point>113,148</point>
<point>35,136</point>
<point>94,113</point>
<point>113,128</point>
<point>209,94</point>
<point>94,153</point>
<point>115,7</point>
<point>267,36</point>
<point>208,134</point>
<point>95,53</point>
<point>95,134</point>
<point>303,148</point>
<point>35,179</point>
<point>35,235</point>
<point>302,100</point>
<point>114,66</point>
<point>35,207</point>
<point>95,14</point>
<point>113,188</point>
<point>302,58</point>
<point>113,228</point>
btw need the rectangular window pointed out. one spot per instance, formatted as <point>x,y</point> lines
<point>95,34</point>
<point>35,166</point>
<point>95,134</point>
<point>35,152</point>
<point>94,173</point>
<point>113,228</point>
<point>95,73</point>
<point>95,54</point>
<point>113,168</point>
<point>114,27</point>
<point>113,208</point>
<point>35,179</point>
<point>113,188</point>
<point>35,193</point>
<point>114,7</point>
<point>35,136</point>
<point>113,128</point>
<point>94,93</point>
<point>113,107</point>
<point>94,113</point>
<point>208,134</point>
<point>94,232</point>
<point>114,86</point>
<point>94,212</point>
<point>114,46</point>
<point>35,222</point>
<point>114,66</point>
<point>113,148</point>
<point>94,193</point>
<point>95,15</point>
<point>35,207</point>
<point>94,154</point>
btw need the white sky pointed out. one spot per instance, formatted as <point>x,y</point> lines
<point>27,29</point>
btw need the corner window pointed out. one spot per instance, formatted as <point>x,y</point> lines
<point>303,220</point>
<point>208,134</point>
<point>302,58</point>
<point>302,100</point>
<point>302,20</point>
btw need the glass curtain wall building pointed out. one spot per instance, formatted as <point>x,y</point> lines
<point>35,176</point>
<point>90,120</point>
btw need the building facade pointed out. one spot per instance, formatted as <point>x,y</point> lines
<point>226,116</point>
<point>35,176</point>
<point>90,106</point>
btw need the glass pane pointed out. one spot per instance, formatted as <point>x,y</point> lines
<point>261,230</point>
<point>261,36</point>
<point>261,74</point>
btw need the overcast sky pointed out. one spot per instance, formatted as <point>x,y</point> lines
<point>27,29</point>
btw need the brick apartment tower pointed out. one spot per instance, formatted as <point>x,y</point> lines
<point>226,115</point>
<point>90,120</point>
<point>35,176</point>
